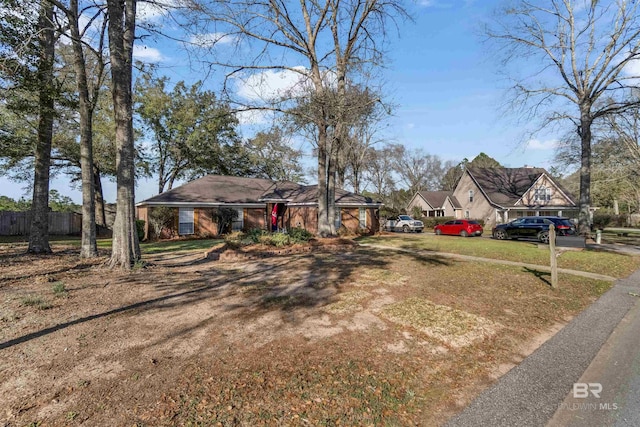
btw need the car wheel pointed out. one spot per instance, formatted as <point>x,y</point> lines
<point>500,235</point>
<point>464,233</point>
<point>405,228</point>
<point>543,236</point>
<point>438,232</point>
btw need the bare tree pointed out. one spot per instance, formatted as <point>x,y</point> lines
<point>584,49</point>
<point>121,29</point>
<point>418,170</point>
<point>379,170</point>
<point>337,40</point>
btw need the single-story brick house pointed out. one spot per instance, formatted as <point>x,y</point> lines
<point>260,203</point>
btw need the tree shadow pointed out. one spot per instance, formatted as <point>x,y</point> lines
<point>542,275</point>
<point>289,284</point>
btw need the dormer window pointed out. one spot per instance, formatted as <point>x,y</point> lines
<point>471,196</point>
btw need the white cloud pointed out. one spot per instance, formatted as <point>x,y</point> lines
<point>536,144</point>
<point>632,69</point>
<point>147,54</point>
<point>439,4</point>
<point>152,11</point>
<point>252,117</point>
<point>211,39</point>
<point>271,85</point>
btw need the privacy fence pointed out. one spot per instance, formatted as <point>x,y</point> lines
<point>18,223</point>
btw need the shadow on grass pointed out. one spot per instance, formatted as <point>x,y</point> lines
<point>289,284</point>
<point>542,275</point>
<point>315,280</point>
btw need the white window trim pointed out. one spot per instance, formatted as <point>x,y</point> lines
<point>238,223</point>
<point>362,223</point>
<point>471,195</point>
<point>185,217</point>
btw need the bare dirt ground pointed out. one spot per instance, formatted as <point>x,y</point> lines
<point>355,337</point>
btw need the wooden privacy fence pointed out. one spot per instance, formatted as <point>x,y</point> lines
<point>18,223</point>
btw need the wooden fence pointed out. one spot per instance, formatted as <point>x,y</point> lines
<point>60,223</point>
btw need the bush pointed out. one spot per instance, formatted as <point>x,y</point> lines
<point>255,234</point>
<point>432,221</point>
<point>276,239</point>
<point>300,235</point>
<point>140,229</point>
<point>601,220</point>
<point>234,239</point>
<point>161,217</point>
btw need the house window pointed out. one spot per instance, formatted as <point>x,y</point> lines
<point>338,219</point>
<point>467,215</point>
<point>185,221</point>
<point>238,222</point>
<point>542,194</point>
<point>362,215</point>
<point>471,196</point>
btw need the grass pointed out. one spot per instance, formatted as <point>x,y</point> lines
<point>451,325</point>
<point>375,338</point>
<point>178,245</point>
<point>59,289</point>
<point>610,264</point>
<point>36,301</point>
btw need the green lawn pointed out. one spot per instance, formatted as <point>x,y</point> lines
<point>600,262</point>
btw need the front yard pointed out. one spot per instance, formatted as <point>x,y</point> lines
<point>355,337</point>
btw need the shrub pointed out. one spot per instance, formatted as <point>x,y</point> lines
<point>601,220</point>
<point>255,234</point>
<point>276,239</point>
<point>234,239</point>
<point>160,218</point>
<point>432,221</point>
<point>300,235</point>
<point>140,229</point>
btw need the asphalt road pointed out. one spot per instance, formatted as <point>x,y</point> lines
<point>532,392</point>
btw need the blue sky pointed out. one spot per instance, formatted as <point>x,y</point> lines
<point>441,77</point>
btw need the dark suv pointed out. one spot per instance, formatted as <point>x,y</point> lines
<point>534,227</point>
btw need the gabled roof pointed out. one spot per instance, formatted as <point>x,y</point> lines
<point>214,189</point>
<point>505,186</point>
<point>437,199</point>
<point>219,189</point>
<point>308,195</point>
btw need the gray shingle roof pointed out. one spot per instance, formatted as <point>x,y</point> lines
<point>505,186</point>
<point>437,198</point>
<point>214,189</point>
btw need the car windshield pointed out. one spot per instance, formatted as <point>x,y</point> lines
<point>473,222</point>
<point>405,217</point>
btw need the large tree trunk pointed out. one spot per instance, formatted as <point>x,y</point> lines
<point>584,217</point>
<point>324,226</point>
<point>39,231</point>
<point>101,217</point>
<point>88,246</point>
<point>126,248</point>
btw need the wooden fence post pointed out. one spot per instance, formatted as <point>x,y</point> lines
<point>554,257</point>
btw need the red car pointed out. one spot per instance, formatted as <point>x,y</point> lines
<point>459,227</point>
